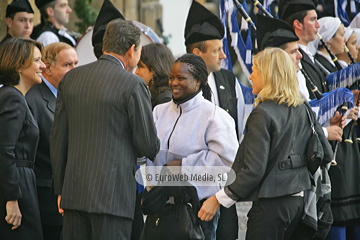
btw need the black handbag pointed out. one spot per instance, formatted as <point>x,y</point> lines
<point>175,222</point>
<point>314,149</point>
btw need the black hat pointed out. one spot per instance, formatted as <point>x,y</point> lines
<point>18,6</point>
<point>272,32</point>
<point>202,25</point>
<point>108,12</point>
<point>289,7</point>
<point>41,3</point>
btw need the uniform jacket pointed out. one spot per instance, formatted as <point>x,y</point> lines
<point>103,120</point>
<point>314,73</point>
<point>323,61</point>
<point>8,36</point>
<point>49,27</point>
<point>228,100</point>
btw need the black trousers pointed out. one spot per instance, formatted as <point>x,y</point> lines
<point>80,225</point>
<point>228,224</point>
<point>274,218</point>
<point>138,223</point>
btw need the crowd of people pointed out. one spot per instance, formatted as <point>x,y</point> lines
<point>72,138</point>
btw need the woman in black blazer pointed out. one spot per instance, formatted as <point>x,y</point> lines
<point>154,67</point>
<point>20,68</point>
<point>270,166</point>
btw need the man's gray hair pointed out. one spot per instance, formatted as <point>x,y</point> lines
<point>120,35</point>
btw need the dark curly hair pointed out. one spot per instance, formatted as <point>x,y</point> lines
<point>198,70</point>
<point>15,54</point>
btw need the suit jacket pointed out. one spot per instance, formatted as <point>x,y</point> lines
<point>314,73</point>
<point>271,158</point>
<point>323,61</point>
<point>103,120</point>
<point>42,105</point>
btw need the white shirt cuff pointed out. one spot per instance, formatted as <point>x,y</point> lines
<point>325,132</point>
<point>223,199</point>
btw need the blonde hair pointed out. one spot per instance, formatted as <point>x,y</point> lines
<point>279,77</point>
<point>50,52</point>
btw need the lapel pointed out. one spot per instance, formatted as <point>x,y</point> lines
<point>307,59</point>
<point>48,97</point>
<point>220,84</point>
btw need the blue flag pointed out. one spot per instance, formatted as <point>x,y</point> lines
<point>340,11</point>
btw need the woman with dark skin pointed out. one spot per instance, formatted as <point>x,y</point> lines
<point>192,130</point>
<point>20,68</point>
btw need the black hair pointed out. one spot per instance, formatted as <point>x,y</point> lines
<point>159,59</point>
<point>198,70</point>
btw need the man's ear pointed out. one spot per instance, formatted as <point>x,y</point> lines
<point>130,52</point>
<point>297,24</point>
<point>8,22</point>
<point>196,51</point>
<point>50,11</point>
<point>47,69</point>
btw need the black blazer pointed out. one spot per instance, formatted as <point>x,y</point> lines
<point>103,120</point>
<point>19,136</point>
<point>42,104</point>
<point>271,158</point>
<point>314,73</point>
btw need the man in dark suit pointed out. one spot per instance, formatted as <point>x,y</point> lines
<point>203,37</point>
<point>59,58</point>
<point>103,121</point>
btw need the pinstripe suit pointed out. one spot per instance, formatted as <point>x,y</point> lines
<point>102,120</point>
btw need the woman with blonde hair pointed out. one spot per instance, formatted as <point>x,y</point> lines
<point>271,167</point>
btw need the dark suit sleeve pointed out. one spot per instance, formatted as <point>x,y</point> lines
<point>142,123</point>
<point>59,143</point>
<point>256,144</point>
<point>12,116</point>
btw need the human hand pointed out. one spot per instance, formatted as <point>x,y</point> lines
<point>61,211</point>
<point>13,214</point>
<point>209,209</point>
<point>353,114</point>
<point>173,167</point>
<point>337,120</point>
<point>334,133</point>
